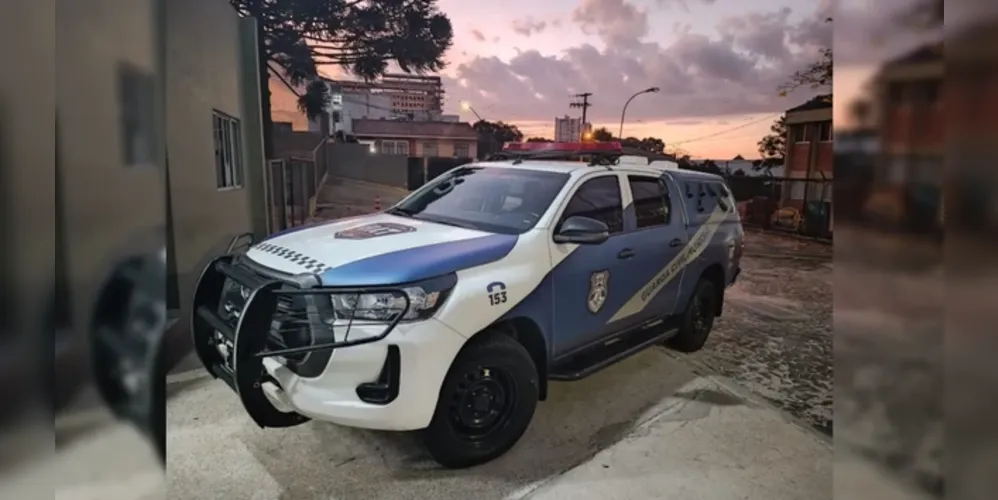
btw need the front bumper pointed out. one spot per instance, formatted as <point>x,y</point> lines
<point>284,380</point>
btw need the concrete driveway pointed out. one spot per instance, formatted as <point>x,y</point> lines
<point>702,436</point>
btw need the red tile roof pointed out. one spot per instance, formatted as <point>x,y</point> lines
<point>404,129</point>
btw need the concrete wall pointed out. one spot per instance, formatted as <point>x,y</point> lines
<point>111,206</point>
<point>355,161</point>
<point>445,147</point>
<point>208,69</point>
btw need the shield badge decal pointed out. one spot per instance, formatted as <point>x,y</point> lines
<point>598,287</point>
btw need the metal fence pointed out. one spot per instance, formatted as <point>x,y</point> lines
<point>802,206</point>
<point>291,187</point>
<point>423,170</point>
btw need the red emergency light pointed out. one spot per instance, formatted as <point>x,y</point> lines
<point>574,147</point>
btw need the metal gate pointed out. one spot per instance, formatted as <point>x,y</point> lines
<point>291,186</point>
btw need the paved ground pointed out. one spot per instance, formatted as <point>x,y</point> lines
<point>721,436</point>
<point>889,300</point>
<point>775,337</point>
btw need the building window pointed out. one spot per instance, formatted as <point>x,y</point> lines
<point>462,151</point>
<point>895,94</point>
<point>137,91</point>
<point>429,149</point>
<point>395,147</point>
<point>925,92</point>
<point>800,133</point>
<point>825,131</point>
<point>228,151</point>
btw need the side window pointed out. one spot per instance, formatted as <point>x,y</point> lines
<point>598,199</point>
<point>652,206</point>
<point>724,198</point>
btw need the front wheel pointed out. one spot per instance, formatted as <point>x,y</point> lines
<point>697,320</point>
<point>485,404</point>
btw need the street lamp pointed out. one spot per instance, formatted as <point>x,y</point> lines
<point>651,90</point>
<point>465,105</point>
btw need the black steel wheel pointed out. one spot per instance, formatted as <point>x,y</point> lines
<point>483,403</point>
<point>698,319</point>
<point>486,402</point>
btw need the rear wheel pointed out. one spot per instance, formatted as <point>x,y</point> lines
<point>486,402</point>
<point>698,319</point>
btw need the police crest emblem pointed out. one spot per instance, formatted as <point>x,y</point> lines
<point>598,287</point>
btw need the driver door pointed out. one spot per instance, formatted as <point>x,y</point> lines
<point>589,280</point>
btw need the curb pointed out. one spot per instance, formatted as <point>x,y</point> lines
<point>746,394</point>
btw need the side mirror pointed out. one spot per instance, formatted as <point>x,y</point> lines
<point>582,230</point>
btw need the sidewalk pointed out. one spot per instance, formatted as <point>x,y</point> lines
<point>717,444</point>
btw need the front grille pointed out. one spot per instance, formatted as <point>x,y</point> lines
<point>289,326</point>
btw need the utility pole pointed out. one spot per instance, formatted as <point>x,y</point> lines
<point>584,104</point>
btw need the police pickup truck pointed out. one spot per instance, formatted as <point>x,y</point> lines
<point>450,311</point>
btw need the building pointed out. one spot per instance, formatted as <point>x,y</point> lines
<point>406,93</point>
<point>413,138</point>
<point>811,157</point>
<point>908,170</point>
<point>166,148</point>
<point>347,104</point>
<point>569,129</point>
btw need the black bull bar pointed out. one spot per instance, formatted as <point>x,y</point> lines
<point>273,306</point>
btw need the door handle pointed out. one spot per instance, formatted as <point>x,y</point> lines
<point>676,243</point>
<point>626,253</point>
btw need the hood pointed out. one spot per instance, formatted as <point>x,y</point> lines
<point>379,249</point>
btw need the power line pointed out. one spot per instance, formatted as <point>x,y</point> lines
<point>725,131</point>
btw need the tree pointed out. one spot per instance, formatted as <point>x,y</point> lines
<point>653,145</point>
<point>296,37</point>
<point>538,139</point>
<point>492,135</point>
<point>773,146</point>
<point>818,75</point>
<point>603,135</point>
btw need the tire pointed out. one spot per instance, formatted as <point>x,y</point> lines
<point>697,320</point>
<point>491,364</point>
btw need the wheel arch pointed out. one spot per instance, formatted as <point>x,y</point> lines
<point>528,333</point>
<point>714,273</point>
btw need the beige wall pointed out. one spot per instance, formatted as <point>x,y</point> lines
<point>111,209</point>
<point>445,147</point>
<point>205,72</point>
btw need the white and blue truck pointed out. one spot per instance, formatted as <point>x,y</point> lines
<point>450,311</point>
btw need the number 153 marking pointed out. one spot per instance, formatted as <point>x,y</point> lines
<point>497,293</point>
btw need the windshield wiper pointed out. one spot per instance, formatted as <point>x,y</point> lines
<point>402,212</point>
<point>448,222</point>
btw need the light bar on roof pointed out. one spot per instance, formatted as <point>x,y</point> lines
<point>563,146</point>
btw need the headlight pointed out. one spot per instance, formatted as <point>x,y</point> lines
<point>424,300</point>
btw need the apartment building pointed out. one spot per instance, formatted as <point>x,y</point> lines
<point>569,129</point>
<point>406,93</point>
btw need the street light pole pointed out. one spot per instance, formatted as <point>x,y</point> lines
<point>467,105</point>
<point>651,90</point>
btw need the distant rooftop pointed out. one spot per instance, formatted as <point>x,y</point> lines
<point>404,128</point>
<point>818,102</point>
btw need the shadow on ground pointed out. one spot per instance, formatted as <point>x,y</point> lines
<point>325,461</point>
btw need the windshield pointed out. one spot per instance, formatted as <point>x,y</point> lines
<point>494,199</point>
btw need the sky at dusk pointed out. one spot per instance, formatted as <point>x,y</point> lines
<point>718,64</point>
